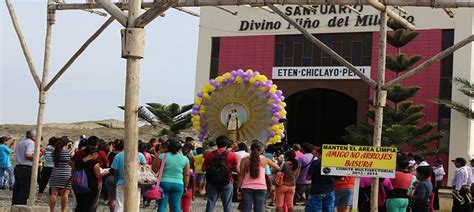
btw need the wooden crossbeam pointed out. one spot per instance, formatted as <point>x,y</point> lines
<point>114,11</point>
<point>153,12</point>
<point>79,52</point>
<point>197,3</point>
<point>430,61</point>
<point>23,44</point>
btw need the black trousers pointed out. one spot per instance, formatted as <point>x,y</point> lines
<point>21,189</point>
<point>436,195</point>
<point>44,178</point>
<point>457,206</point>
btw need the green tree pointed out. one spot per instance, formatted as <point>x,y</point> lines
<point>467,89</point>
<point>402,117</point>
<point>174,117</point>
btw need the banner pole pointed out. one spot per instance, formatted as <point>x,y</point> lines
<point>355,197</point>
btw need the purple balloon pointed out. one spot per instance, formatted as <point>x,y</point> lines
<point>195,112</point>
<point>268,86</point>
<point>246,79</point>
<point>196,107</point>
<point>275,122</point>
<point>275,114</point>
<point>199,94</point>
<point>231,79</point>
<point>279,92</point>
<point>256,72</point>
<point>282,98</point>
<point>267,95</point>
<point>233,73</point>
<point>240,72</point>
<point>270,82</point>
<point>272,133</point>
<point>282,135</point>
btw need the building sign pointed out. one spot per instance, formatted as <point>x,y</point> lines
<point>359,161</point>
<point>318,16</point>
<point>317,73</point>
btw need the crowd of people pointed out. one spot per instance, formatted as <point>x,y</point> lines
<point>257,177</point>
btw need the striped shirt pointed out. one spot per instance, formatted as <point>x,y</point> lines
<point>48,160</point>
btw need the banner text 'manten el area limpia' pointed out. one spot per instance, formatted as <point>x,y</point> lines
<point>359,161</point>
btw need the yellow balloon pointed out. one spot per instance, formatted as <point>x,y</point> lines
<point>205,95</point>
<point>274,87</point>
<point>283,104</point>
<point>264,78</point>
<point>226,75</point>
<point>219,79</point>
<point>270,101</point>
<point>238,80</point>
<point>277,138</point>
<point>212,88</point>
<point>263,89</point>
<point>275,127</point>
<point>202,111</point>
<point>279,132</point>
<point>252,80</point>
<point>249,71</point>
<point>198,101</point>
<point>272,91</point>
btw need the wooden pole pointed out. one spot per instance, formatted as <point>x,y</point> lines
<point>325,48</point>
<point>114,11</point>
<point>24,46</point>
<point>430,61</point>
<point>79,52</point>
<point>197,3</point>
<point>381,96</point>
<point>51,18</point>
<point>131,111</point>
<point>379,6</point>
<point>187,11</point>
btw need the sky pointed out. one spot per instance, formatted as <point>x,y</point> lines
<point>93,87</point>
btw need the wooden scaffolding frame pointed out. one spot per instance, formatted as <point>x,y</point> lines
<point>133,51</point>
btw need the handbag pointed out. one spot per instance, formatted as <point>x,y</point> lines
<point>155,192</point>
<point>146,176</point>
<point>279,175</point>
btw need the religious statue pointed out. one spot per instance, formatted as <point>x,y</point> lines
<point>233,123</point>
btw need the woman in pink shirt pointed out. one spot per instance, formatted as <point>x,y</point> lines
<point>252,184</point>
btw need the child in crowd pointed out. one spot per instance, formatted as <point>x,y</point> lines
<point>198,160</point>
<point>423,189</point>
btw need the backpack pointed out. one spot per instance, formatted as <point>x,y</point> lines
<point>79,181</point>
<point>217,174</point>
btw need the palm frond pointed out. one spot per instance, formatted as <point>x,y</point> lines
<point>464,110</point>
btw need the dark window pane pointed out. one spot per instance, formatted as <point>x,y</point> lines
<point>214,68</point>
<point>288,49</point>
<point>367,44</point>
<point>279,54</point>
<point>306,61</point>
<point>356,53</point>
<point>365,61</point>
<point>326,61</point>
<point>316,56</point>
<point>288,62</point>
<point>298,51</point>
<point>347,45</point>
<point>307,47</point>
<point>215,47</point>
<point>299,39</point>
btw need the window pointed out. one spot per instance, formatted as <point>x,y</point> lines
<point>296,50</point>
<point>214,72</point>
<point>445,89</point>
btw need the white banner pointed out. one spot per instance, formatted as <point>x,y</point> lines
<point>318,72</point>
<point>358,172</point>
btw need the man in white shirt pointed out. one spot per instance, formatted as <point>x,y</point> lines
<point>438,170</point>
<point>461,185</point>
